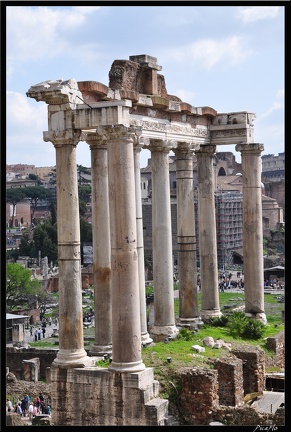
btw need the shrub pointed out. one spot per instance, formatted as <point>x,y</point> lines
<point>254,329</point>
<point>219,321</point>
<point>240,326</point>
<point>237,322</point>
<point>185,334</point>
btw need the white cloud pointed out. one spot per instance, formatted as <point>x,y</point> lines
<point>24,114</point>
<point>278,104</point>
<point>210,53</point>
<point>256,13</point>
<point>40,32</point>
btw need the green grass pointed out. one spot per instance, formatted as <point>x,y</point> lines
<point>179,350</point>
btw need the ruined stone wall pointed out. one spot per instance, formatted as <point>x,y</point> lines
<point>217,396</point>
<point>230,378</point>
<point>253,359</point>
<point>276,190</point>
<point>15,357</point>
<point>98,397</point>
<point>247,416</point>
<point>277,345</point>
<point>199,395</point>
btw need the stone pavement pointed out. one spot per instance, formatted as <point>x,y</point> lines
<point>49,331</point>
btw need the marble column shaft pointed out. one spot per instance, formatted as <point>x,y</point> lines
<point>253,260</point>
<point>164,317</point>
<point>186,236</point>
<point>101,246</point>
<point>71,340</point>
<point>126,329</point>
<point>145,338</point>
<point>207,232</point>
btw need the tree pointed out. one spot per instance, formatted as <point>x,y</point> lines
<point>14,196</point>
<point>34,194</point>
<point>36,178</point>
<point>20,287</point>
<point>83,170</point>
<point>86,232</point>
<point>52,175</point>
<point>45,241</point>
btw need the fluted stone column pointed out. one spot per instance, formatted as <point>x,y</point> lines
<point>126,329</point>
<point>207,233</point>
<point>101,246</point>
<point>164,316</point>
<point>71,341</point>
<point>145,337</point>
<point>186,236</point>
<point>253,260</point>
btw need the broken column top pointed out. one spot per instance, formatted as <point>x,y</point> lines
<point>146,60</point>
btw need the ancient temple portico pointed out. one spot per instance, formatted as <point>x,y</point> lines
<point>133,112</point>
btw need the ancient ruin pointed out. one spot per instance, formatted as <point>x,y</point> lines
<point>117,121</point>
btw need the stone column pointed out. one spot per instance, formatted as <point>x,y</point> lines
<point>164,319</point>
<point>101,246</point>
<point>126,329</point>
<point>71,340</point>
<point>252,230</point>
<point>207,233</point>
<point>145,337</point>
<point>186,236</point>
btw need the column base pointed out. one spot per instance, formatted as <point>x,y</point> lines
<point>190,322</point>
<point>206,314</point>
<point>72,359</point>
<point>127,367</point>
<point>100,350</point>
<point>146,339</point>
<point>260,316</point>
<point>160,333</point>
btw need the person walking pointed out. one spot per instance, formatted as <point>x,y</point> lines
<point>30,411</point>
<point>38,334</point>
<point>19,409</point>
<point>43,332</point>
<point>9,405</point>
<point>23,407</point>
<point>35,410</point>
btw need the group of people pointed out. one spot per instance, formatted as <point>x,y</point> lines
<point>41,330</point>
<point>226,282</point>
<point>25,407</point>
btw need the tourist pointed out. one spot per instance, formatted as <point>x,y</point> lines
<point>23,406</point>
<point>35,410</point>
<point>38,404</point>
<point>38,333</point>
<point>30,411</point>
<point>19,409</point>
<point>41,397</point>
<point>43,332</point>
<point>47,409</point>
<point>9,405</point>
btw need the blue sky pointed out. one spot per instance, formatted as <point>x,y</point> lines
<point>230,58</point>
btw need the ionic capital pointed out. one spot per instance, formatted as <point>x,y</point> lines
<point>119,132</point>
<point>60,138</point>
<point>206,150</point>
<point>255,149</point>
<point>96,140</point>
<point>185,149</point>
<point>159,145</point>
